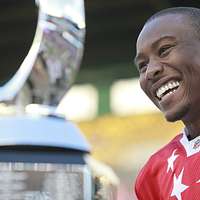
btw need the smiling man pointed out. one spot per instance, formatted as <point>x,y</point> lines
<point>168,61</point>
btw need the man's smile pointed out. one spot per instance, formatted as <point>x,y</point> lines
<point>167,89</point>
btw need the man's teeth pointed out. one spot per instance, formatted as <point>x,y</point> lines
<point>171,86</point>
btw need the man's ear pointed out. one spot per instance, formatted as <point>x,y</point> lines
<point>18,22</point>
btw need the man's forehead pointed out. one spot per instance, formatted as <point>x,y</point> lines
<point>170,24</point>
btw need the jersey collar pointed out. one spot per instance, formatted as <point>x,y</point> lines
<point>191,147</point>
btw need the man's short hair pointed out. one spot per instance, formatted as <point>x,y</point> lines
<point>192,13</point>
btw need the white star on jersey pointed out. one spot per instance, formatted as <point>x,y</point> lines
<point>171,160</point>
<point>178,187</point>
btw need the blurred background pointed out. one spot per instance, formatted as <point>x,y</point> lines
<point>122,125</point>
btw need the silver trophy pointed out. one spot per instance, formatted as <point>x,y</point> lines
<point>43,157</point>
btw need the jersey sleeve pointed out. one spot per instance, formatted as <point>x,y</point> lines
<point>146,185</point>
<point>154,182</point>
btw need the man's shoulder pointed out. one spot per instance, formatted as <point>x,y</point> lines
<point>158,159</point>
<point>156,164</point>
<point>149,176</point>
<point>168,148</point>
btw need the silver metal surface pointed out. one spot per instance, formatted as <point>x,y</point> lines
<point>42,131</point>
<point>45,181</point>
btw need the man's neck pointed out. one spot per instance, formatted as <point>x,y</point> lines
<point>193,130</point>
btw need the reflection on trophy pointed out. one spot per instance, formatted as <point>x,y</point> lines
<point>61,48</point>
<point>42,155</point>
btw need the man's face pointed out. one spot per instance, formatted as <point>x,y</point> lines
<point>168,60</point>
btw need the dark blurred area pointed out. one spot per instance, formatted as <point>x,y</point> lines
<point>18,24</point>
<point>112,29</point>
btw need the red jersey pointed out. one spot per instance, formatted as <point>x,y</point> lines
<point>173,173</point>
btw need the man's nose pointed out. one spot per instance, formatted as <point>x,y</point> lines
<point>154,71</point>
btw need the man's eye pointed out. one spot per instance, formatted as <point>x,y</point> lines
<point>142,67</point>
<point>163,51</point>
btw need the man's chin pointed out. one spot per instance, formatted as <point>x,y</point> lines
<point>172,118</point>
<point>176,115</point>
